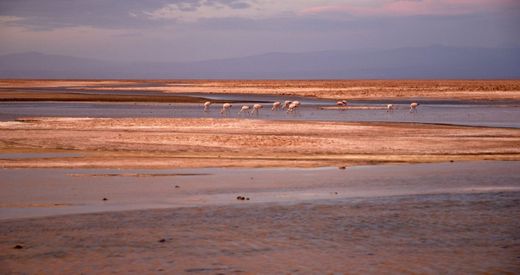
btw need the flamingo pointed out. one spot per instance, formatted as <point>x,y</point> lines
<point>225,108</point>
<point>389,107</point>
<point>206,106</point>
<point>286,104</point>
<point>256,108</point>
<point>293,106</point>
<point>413,107</point>
<point>342,103</point>
<point>244,109</point>
<point>276,105</point>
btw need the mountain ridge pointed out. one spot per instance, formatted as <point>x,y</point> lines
<point>430,62</point>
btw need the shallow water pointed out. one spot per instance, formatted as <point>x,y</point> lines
<point>446,233</point>
<point>66,191</point>
<point>457,113</point>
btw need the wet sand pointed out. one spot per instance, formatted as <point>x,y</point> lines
<point>333,89</point>
<point>189,143</point>
<point>69,96</point>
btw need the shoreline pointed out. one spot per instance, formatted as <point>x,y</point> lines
<point>478,90</point>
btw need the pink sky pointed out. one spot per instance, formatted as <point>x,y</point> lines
<point>411,7</point>
<point>188,30</point>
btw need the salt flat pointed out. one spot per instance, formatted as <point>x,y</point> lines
<point>135,177</point>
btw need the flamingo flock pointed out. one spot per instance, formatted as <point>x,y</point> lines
<point>289,106</point>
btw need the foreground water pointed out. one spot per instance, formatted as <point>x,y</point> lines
<point>43,192</point>
<point>452,218</point>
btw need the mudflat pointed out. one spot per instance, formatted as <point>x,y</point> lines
<point>11,90</point>
<point>183,143</point>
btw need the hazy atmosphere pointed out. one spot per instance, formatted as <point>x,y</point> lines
<point>259,137</point>
<point>189,30</point>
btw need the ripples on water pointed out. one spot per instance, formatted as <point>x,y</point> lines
<point>430,234</point>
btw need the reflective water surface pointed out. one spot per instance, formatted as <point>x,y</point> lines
<point>449,218</point>
<point>459,113</point>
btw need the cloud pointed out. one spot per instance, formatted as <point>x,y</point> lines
<point>414,7</point>
<point>194,10</point>
<point>138,14</point>
<point>51,14</point>
<point>199,29</point>
<point>9,20</point>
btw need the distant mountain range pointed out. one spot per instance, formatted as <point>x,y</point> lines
<point>435,62</point>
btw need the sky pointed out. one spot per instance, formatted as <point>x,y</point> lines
<point>189,30</point>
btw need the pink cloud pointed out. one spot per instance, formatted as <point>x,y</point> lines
<point>419,7</point>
